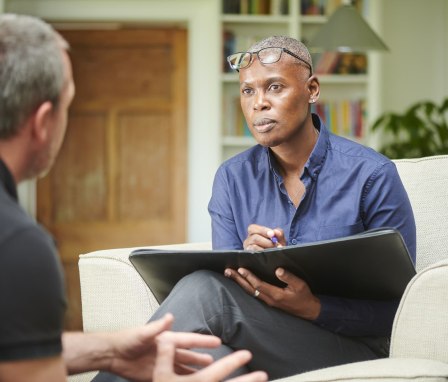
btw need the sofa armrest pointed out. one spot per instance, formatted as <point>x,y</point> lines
<point>113,294</point>
<point>420,327</point>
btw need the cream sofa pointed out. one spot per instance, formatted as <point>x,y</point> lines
<point>114,296</point>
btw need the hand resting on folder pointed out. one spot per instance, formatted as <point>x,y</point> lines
<point>295,298</point>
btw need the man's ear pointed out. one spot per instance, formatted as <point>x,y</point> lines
<point>313,88</point>
<point>42,121</point>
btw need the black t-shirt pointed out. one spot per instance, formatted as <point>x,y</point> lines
<point>32,298</point>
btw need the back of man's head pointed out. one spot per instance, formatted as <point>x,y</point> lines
<point>31,69</point>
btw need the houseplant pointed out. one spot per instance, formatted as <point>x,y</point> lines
<point>422,130</point>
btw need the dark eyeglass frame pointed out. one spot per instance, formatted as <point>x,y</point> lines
<point>238,67</point>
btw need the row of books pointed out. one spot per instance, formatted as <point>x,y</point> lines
<point>280,7</point>
<point>340,63</point>
<point>345,117</point>
<point>324,7</point>
<point>255,7</point>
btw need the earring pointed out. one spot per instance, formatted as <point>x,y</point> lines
<point>312,100</point>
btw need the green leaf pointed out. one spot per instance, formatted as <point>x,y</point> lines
<point>422,130</point>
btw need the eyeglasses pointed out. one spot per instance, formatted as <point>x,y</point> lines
<point>269,55</point>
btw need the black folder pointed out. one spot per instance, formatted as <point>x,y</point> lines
<point>373,265</point>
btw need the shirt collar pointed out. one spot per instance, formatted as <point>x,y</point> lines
<point>319,153</point>
<point>317,157</point>
<point>7,181</point>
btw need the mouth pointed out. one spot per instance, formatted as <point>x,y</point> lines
<point>264,125</point>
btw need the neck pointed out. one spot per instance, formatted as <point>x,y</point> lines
<point>292,156</point>
<point>15,153</point>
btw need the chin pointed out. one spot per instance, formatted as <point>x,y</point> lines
<point>267,142</point>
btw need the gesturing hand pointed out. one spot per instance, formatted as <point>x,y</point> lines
<point>295,298</point>
<point>164,371</point>
<point>134,350</point>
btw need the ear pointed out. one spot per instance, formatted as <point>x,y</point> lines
<point>41,122</point>
<point>313,88</point>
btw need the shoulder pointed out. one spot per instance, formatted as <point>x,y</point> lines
<point>25,246</point>
<point>32,316</point>
<point>12,216</point>
<point>346,152</point>
<point>249,161</point>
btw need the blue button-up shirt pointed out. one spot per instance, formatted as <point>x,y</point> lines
<point>349,188</point>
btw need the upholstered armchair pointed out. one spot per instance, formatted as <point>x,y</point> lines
<point>114,296</point>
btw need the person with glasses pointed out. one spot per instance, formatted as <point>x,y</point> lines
<point>299,184</point>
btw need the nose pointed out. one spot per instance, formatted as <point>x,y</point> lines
<point>261,102</point>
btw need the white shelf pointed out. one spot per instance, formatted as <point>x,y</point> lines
<point>305,19</point>
<point>238,141</point>
<point>255,19</point>
<point>343,79</point>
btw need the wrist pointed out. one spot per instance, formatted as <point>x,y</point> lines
<point>312,310</point>
<point>84,352</point>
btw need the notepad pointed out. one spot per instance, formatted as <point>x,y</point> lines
<point>373,265</point>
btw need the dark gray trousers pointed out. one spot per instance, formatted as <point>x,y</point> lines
<point>281,344</point>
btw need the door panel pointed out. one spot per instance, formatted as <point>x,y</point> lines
<point>120,178</point>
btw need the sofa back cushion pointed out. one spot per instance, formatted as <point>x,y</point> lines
<point>426,182</point>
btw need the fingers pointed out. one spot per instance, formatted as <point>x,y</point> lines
<point>239,279</point>
<point>190,357</point>
<point>256,376</point>
<point>225,366</point>
<point>257,238</point>
<point>160,325</point>
<point>190,340</point>
<point>164,364</point>
<point>251,283</point>
<point>150,330</point>
<point>280,235</point>
<point>165,367</point>
<point>298,298</point>
<point>287,277</point>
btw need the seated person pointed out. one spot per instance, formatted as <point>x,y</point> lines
<point>300,184</point>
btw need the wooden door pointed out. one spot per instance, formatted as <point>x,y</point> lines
<point>120,178</point>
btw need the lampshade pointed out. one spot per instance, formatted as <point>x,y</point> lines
<point>346,31</point>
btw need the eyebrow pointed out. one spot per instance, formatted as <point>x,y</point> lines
<point>267,80</point>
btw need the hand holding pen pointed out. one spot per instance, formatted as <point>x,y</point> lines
<point>274,234</point>
<point>261,237</point>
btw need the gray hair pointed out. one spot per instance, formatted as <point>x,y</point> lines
<point>295,46</point>
<point>31,69</point>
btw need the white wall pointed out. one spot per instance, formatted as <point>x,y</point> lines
<point>416,68</point>
<point>201,19</point>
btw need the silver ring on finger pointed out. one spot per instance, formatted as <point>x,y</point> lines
<point>256,293</point>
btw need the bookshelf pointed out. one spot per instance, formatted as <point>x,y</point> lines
<point>344,78</point>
